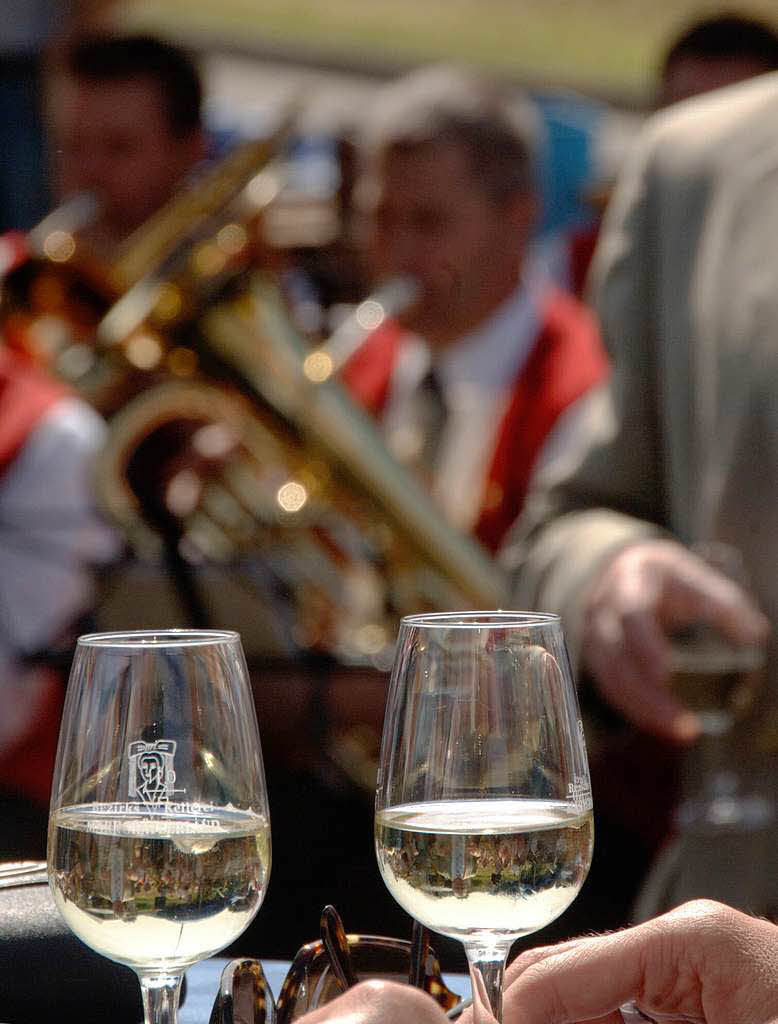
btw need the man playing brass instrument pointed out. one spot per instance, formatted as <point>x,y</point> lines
<point>483,380</point>
<point>448,196</point>
<point>127,128</point>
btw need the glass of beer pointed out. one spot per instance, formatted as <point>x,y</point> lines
<point>483,824</point>
<point>159,835</point>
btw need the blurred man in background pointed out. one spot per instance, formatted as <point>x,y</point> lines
<point>484,378</point>
<point>713,52</point>
<point>30,36</point>
<point>127,121</point>
<point>710,53</point>
<point>127,127</point>
<point>686,447</point>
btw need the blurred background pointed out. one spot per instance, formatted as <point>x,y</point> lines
<point>605,48</point>
<point>593,69</point>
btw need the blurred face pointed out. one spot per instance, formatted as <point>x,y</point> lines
<point>113,138</point>
<point>425,214</point>
<point>688,76</point>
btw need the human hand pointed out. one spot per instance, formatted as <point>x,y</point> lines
<point>701,962</point>
<point>379,1002</point>
<point>646,592</point>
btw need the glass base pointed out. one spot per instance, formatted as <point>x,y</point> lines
<point>723,806</point>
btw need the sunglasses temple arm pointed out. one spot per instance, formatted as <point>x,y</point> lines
<point>335,942</point>
<point>456,1011</point>
<point>420,947</point>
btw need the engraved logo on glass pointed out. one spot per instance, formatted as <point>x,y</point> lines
<point>151,771</point>
<point>579,791</point>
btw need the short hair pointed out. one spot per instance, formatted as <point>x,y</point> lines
<point>726,37</point>
<point>439,105</point>
<point>171,69</point>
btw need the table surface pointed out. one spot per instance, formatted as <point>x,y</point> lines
<point>202,983</point>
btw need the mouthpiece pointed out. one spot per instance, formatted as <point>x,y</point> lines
<point>51,236</point>
<point>390,298</point>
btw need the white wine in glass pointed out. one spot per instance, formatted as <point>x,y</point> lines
<point>483,808</point>
<point>159,834</point>
<point>720,681</point>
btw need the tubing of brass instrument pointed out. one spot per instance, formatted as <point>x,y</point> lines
<point>390,298</point>
<point>137,302</point>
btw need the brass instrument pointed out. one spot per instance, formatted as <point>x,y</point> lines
<point>91,322</point>
<point>227,442</point>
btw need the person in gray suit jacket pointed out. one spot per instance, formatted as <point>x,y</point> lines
<point>684,449</point>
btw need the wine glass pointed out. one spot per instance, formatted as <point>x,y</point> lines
<point>483,824</point>
<point>159,835</point>
<point>720,682</point>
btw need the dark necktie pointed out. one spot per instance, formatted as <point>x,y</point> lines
<point>432,419</point>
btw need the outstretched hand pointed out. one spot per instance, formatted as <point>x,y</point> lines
<point>701,962</point>
<point>646,592</point>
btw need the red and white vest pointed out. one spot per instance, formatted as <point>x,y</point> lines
<point>567,360</point>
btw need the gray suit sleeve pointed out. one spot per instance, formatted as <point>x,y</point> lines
<point>612,496</point>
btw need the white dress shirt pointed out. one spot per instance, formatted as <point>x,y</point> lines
<point>477,374</point>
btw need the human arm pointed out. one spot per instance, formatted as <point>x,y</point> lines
<point>50,540</point>
<point>623,587</point>
<point>52,536</point>
<point>702,962</point>
<point>594,543</point>
<point>646,592</point>
<point>583,510</point>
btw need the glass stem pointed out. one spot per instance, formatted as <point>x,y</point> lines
<point>160,994</point>
<point>487,972</point>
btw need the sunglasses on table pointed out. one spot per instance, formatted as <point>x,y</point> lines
<point>323,970</point>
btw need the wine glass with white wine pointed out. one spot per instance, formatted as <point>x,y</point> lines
<point>483,823</point>
<point>720,682</point>
<point>159,835</point>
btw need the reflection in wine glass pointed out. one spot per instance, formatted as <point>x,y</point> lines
<point>483,808</point>
<point>159,836</point>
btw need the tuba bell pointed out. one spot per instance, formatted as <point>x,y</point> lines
<point>231,441</point>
